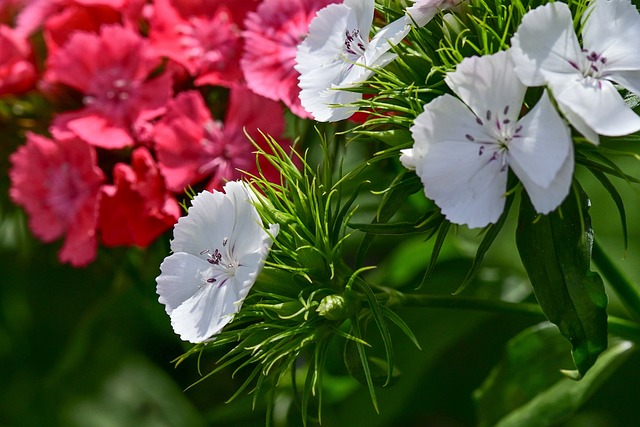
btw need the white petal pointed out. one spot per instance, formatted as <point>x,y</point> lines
<point>612,29</point>
<point>545,45</point>
<point>377,54</point>
<point>547,199</point>
<point>457,175</point>
<point>488,83</point>
<point>325,39</point>
<point>209,220</point>
<point>543,147</point>
<point>323,103</point>
<point>423,11</point>
<point>580,125</point>
<point>182,275</point>
<point>468,189</point>
<point>597,103</point>
<point>363,12</point>
<point>630,80</point>
<point>205,314</point>
<point>408,158</point>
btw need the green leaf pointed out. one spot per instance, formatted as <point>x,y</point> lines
<point>526,389</point>
<point>556,252</point>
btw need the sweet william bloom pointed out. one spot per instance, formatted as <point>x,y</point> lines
<point>272,35</point>
<point>57,183</point>
<point>192,145</point>
<point>207,46</point>
<point>17,72</point>
<point>463,148</point>
<point>113,71</point>
<point>219,249</point>
<point>137,208</point>
<point>546,51</point>
<point>337,54</point>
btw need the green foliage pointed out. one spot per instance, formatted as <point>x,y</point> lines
<point>526,389</point>
<point>556,252</point>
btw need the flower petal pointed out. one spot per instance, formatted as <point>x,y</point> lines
<point>543,147</point>
<point>547,199</point>
<point>545,45</point>
<point>466,183</point>
<point>488,83</point>
<point>597,103</point>
<point>198,310</point>
<point>612,29</point>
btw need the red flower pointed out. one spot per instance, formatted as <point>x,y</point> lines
<point>113,71</point>
<point>17,72</point>
<point>272,35</point>
<point>238,8</point>
<point>57,183</point>
<point>191,145</point>
<point>207,46</point>
<point>137,208</point>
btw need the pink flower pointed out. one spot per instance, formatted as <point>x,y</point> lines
<point>112,70</point>
<point>137,208</point>
<point>37,12</point>
<point>57,183</point>
<point>207,46</point>
<point>192,145</point>
<point>237,8</point>
<point>17,72</point>
<point>271,40</point>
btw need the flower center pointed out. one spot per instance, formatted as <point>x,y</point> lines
<point>223,265</point>
<point>354,45</point>
<point>497,132</point>
<point>593,67</point>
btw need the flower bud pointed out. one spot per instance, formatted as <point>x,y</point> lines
<point>334,307</point>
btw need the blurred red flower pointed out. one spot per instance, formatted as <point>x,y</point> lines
<point>192,145</point>
<point>137,208</point>
<point>57,183</point>
<point>113,71</point>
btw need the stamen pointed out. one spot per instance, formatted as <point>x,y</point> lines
<point>470,137</point>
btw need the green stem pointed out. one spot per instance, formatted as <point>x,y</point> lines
<point>627,290</point>
<point>620,327</point>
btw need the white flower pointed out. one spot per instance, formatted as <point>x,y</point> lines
<point>337,54</point>
<point>546,52</point>
<point>218,249</point>
<point>462,153</point>
<point>423,11</point>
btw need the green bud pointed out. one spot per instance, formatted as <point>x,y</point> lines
<point>334,307</point>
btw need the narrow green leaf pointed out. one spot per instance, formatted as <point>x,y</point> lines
<point>380,322</point>
<point>556,252</point>
<point>526,389</point>
<point>393,316</point>
<point>617,199</point>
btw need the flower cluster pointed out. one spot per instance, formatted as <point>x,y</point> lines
<point>481,132</point>
<point>141,101</point>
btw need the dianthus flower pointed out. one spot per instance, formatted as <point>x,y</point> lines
<point>338,55</point>
<point>192,145</point>
<point>272,35</point>
<point>582,80</point>
<point>113,72</point>
<point>219,249</point>
<point>464,147</point>
<point>137,208</point>
<point>208,47</point>
<point>57,183</point>
<point>18,74</point>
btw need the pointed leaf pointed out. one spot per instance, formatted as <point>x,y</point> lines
<point>556,252</point>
